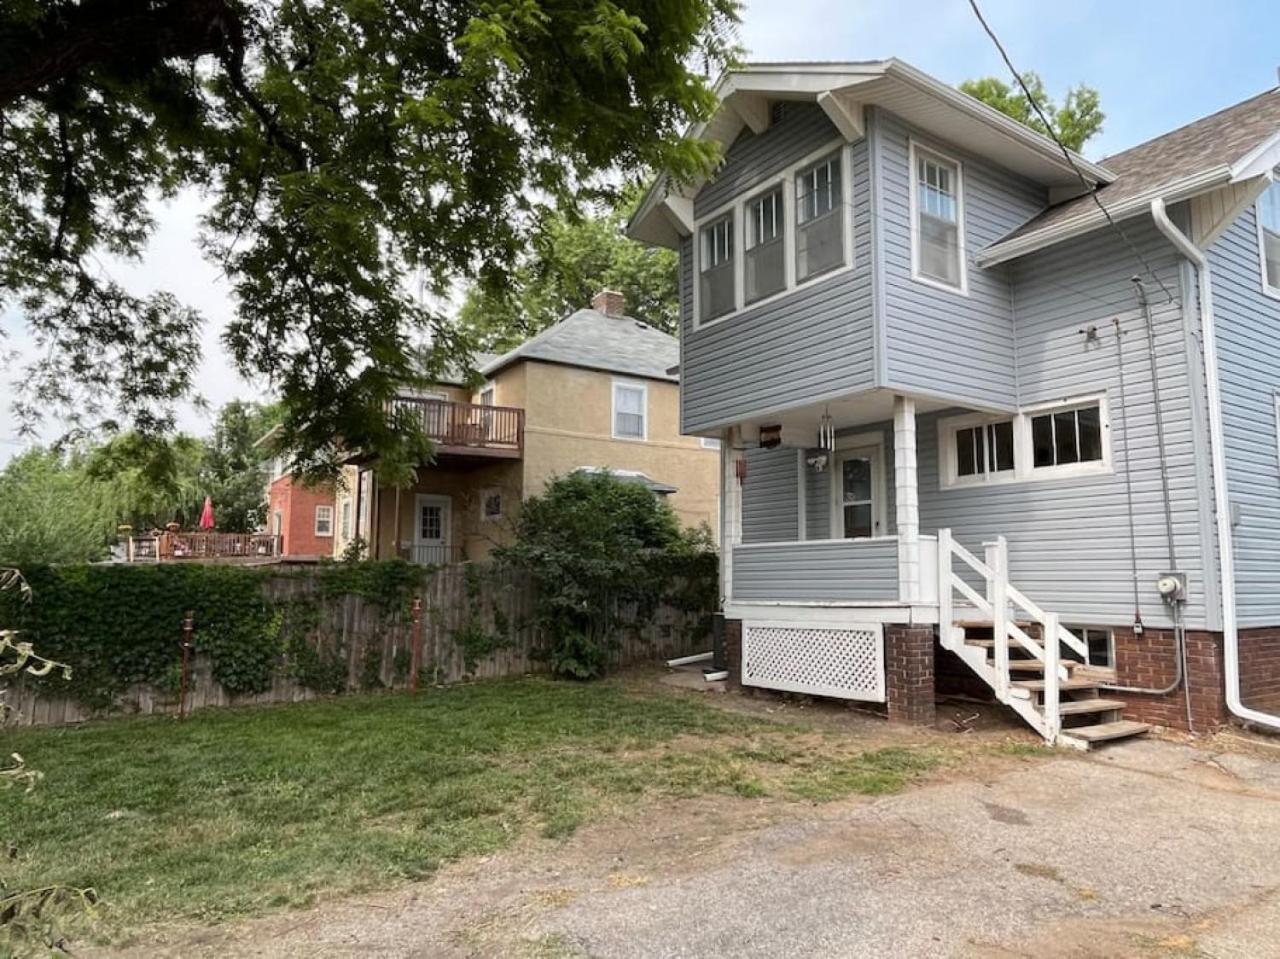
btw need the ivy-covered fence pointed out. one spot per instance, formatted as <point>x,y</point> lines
<point>273,634</point>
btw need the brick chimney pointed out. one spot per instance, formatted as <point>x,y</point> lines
<point>610,303</point>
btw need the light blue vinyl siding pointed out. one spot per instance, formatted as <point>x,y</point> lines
<point>1248,328</point>
<point>843,571</point>
<point>937,341</point>
<point>816,340</point>
<point>770,506</point>
<point>1069,538</point>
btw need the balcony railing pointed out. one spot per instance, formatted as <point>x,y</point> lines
<point>467,427</point>
<point>164,547</point>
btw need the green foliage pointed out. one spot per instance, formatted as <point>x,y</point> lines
<point>355,156</point>
<point>388,583</point>
<point>603,554</point>
<point>1076,122</point>
<point>50,512</point>
<point>571,260</point>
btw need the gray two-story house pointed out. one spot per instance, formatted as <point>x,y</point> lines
<point>978,425</point>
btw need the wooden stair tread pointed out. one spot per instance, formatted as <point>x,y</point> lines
<point>1119,729</point>
<point>1035,666</point>
<point>1076,707</point>
<point>1038,684</point>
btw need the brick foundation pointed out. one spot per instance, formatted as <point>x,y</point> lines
<point>1260,669</point>
<point>909,673</point>
<point>1148,660</point>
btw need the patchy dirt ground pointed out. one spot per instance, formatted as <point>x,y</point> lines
<point>1149,849</point>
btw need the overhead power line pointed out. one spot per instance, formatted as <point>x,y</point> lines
<point>1090,188</point>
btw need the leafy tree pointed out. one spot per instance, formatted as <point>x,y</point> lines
<point>233,471</point>
<point>149,481</point>
<point>598,547</point>
<point>359,158</point>
<point>572,260</point>
<point>1077,121</point>
<point>50,512</point>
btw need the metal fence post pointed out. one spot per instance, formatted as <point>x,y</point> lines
<point>415,643</point>
<point>187,646</point>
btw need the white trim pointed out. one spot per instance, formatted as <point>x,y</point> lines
<point>613,409</point>
<point>1081,630</point>
<point>802,517</point>
<point>322,509</point>
<point>710,442</point>
<point>346,524</point>
<point>817,542</point>
<point>1267,288</point>
<point>811,612</point>
<point>1024,470</point>
<point>914,149</point>
<point>446,519</point>
<point>737,206</point>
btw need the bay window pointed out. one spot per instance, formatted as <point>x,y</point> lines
<point>819,224</point>
<point>765,256</point>
<point>716,266</point>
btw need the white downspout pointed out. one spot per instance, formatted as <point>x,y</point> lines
<point>1218,465</point>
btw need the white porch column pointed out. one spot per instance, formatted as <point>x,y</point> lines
<point>730,507</point>
<point>907,493</point>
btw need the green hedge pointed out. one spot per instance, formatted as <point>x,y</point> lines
<point>117,625</point>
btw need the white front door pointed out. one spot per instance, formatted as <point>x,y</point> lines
<point>858,488</point>
<point>431,515</point>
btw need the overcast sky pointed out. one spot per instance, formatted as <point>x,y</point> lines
<point>1157,65</point>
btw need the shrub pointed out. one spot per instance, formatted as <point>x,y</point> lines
<point>603,554</point>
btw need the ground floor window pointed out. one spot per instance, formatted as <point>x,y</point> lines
<point>324,520</point>
<point>491,505</point>
<point>1100,644</point>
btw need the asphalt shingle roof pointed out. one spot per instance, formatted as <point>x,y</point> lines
<point>1214,141</point>
<point>596,341</point>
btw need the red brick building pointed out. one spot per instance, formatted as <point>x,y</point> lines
<point>303,517</point>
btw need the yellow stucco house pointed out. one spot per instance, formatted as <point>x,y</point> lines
<point>597,391</point>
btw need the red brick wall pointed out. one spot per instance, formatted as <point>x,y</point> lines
<point>909,664</point>
<point>297,507</point>
<point>733,652</point>
<point>1260,669</point>
<point>1148,660</point>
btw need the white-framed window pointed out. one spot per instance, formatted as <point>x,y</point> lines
<point>346,519</point>
<point>937,219</point>
<point>1042,442</point>
<point>716,282</point>
<point>630,410</point>
<point>491,505</point>
<point>486,396</point>
<point>819,224</point>
<point>765,255</point>
<point>1100,644</point>
<point>793,228</point>
<point>1269,238</point>
<point>710,442</point>
<point>324,520</point>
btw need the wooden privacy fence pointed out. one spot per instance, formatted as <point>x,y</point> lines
<point>472,627</point>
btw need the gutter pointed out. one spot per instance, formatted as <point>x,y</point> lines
<point>1218,465</point>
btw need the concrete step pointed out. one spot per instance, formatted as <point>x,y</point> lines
<point>1104,732</point>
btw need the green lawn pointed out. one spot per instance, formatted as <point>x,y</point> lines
<point>240,811</point>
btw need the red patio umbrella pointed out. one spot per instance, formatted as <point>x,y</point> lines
<point>206,514</point>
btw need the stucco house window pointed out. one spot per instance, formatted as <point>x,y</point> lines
<point>491,505</point>
<point>937,205</point>
<point>346,519</point>
<point>819,232</point>
<point>324,520</point>
<point>1269,238</point>
<point>630,410</point>
<point>717,281</point>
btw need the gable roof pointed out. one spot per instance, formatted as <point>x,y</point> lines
<point>843,90</point>
<point>1221,148</point>
<point>596,341</point>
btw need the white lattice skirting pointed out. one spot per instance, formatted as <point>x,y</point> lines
<point>845,662</point>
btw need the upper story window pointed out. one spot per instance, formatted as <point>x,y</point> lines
<point>486,396</point>
<point>630,410</point>
<point>764,261</point>
<point>819,226</point>
<point>716,266</point>
<point>937,202</point>
<point>324,520</point>
<point>1269,237</point>
<point>1043,443</point>
<point>346,519</point>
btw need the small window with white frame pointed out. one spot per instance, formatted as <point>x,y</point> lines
<point>324,520</point>
<point>764,258</point>
<point>819,224</point>
<point>630,410</point>
<point>1099,644</point>
<point>1049,442</point>
<point>1269,238</point>
<point>937,201</point>
<point>346,519</point>
<point>710,442</point>
<point>717,293</point>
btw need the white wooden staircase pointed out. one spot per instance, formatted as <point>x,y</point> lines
<point>994,638</point>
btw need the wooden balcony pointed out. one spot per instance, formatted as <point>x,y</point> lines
<point>467,429</point>
<point>176,546</point>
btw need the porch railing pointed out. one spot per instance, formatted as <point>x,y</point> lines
<point>202,545</point>
<point>466,425</point>
<point>432,555</point>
